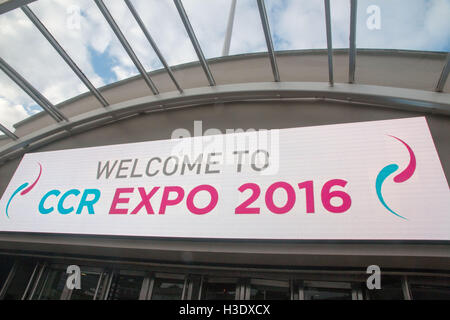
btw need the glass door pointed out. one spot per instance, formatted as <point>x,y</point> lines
<point>91,285</point>
<point>126,285</point>
<point>168,286</point>
<point>323,290</point>
<point>52,284</point>
<point>262,289</point>
<point>17,285</point>
<point>215,288</point>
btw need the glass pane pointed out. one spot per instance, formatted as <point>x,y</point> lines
<point>126,287</point>
<point>209,28</point>
<point>300,24</point>
<point>269,292</point>
<point>20,281</point>
<point>99,54</point>
<point>219,289</point>
<point>134,35</point>
<point>391,289</point>
<point>15,104</point>
<point>402,24</point>
<point>297,24</point>
<point>429,292</point>
<point>89,283</point>
<point>29,53</point>
<point>248,34</point>
<point>167,30</point>
<point>327,294</point>
<point>340,23</point>
<point>52,286</point>
<point>167,289</point>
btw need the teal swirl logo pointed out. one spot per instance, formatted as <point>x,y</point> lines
<point>24,188</point>
<point>401,177</point>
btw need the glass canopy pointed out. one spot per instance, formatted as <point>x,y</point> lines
<point>107,42</point>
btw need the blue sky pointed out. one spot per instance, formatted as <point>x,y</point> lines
<point>295,24</point>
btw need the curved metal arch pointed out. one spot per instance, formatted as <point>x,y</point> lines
<point>386,97</point>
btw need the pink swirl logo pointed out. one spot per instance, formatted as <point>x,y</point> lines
<point>401,177</point>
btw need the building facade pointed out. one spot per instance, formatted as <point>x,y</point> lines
<point>390,85</point>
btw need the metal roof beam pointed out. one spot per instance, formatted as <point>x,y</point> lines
<point>329,41</point>
<point>377,96</point>
<point>444,75</point>
<point>105,12</point>
<point>63,54</point>
<point>152,43</point>
<point>32,92</point>
<point>195,43</point>
<point>8,5</point>
<point>8,133</point>
<point>229,32</point>
<point>268,36</point>
<point>352,45</point>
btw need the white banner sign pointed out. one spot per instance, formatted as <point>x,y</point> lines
<point>378,180</point>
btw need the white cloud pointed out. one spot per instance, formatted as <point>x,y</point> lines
<point>122,72</point>
<point>15,105</point>
<point>164,25</point>
<point>248,35</point>
<point>133,34</point>
<point>209,21</point>
<point>415,25</point>
<point>11,113</point>
<point>209,28</point>
<point>27,51</point>
<point>91,33</point>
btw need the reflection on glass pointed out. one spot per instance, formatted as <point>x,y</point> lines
<point>429,292</point>
<point>89,283</point>
<point>19,282</point>
<point>126,287</point>
<point>327,294</point>
<point>269,292</point>
<point>224,289</point>
<point>391,289</point>
<point>167,289</point>
<point>52,286</point>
